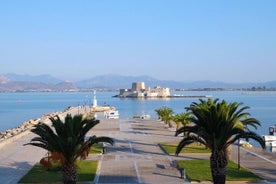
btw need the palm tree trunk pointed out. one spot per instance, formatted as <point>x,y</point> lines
<point>218,165</point>
<point>69,173</point>
<point>229,152</point>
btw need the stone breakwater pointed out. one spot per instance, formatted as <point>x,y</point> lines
<point>10,135</point>
<point>27,125</point>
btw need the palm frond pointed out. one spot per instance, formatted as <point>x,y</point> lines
<point>190,129</point>
<point>188,140</point>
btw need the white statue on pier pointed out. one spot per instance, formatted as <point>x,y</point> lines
<point>94,99</point>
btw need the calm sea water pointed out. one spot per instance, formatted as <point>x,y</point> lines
<point>15,108</point>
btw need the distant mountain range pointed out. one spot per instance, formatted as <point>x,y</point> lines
<point>47,79</point>
<point>14,82</point>
<point>118,81</point>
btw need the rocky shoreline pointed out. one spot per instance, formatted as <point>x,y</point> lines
<point>7,136</point>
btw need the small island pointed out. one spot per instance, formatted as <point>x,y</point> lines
<point>140,90</point>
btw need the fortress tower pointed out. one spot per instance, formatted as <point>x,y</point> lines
<point>138,86</point>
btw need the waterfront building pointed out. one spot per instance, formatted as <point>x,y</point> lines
<point>139,90</point>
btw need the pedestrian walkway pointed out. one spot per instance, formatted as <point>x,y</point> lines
<point>260,162</point>
<point>135,158</point>
<point>16,160</point>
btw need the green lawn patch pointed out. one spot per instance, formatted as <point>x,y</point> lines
<point>192,148</point>
<point>96,148</point>
<point>199,170</point>
<point>86,170</point>
<point>38,174</point>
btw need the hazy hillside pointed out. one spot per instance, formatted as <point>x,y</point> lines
<point>48,79</point>
<point>14,82</point>
<point>119,81</point>
<point>116,81</point>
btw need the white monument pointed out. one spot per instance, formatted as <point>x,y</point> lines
<point>94,99</point>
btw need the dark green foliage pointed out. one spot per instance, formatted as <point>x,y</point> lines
<point>165,114</point>
<point>68,139</point>
<point>217,125</point>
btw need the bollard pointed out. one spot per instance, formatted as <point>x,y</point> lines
<point>104,149</point>
<point>182,173</point>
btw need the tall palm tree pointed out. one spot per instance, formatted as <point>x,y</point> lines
<point>68,140</point>
<point>217,125</point>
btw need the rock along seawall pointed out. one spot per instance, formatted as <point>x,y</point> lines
<point>8,136</point>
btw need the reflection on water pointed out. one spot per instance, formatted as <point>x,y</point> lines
<point>15,108</point>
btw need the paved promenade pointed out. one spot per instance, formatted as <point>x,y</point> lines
<point>135,158</point>
<point>16,160</point>
<point>257,161</point>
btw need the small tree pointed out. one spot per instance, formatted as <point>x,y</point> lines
<point>165,113</point>
<point>181,119</point>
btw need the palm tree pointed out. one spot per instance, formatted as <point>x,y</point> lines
<point>165,113</point>
<point>68,140</point>
<point>217,125</point>
<point>181,119</point>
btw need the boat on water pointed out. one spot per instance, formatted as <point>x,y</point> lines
<point>271,137</point>
<point>273,144</point>
<point>112,114</point>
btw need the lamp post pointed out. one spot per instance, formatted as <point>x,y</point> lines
<point>239,167</point>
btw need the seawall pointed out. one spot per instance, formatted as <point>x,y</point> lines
<point>8,136</point>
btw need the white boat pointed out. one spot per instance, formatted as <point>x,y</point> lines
<point>269,138</point>
<point>273,144</point>
<point>112,114</point>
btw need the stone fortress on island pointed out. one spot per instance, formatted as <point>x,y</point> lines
<point>139,90</point>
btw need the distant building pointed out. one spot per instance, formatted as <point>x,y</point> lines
<point>139,90</point>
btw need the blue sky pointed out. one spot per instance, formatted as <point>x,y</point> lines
<point>230,41</point>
